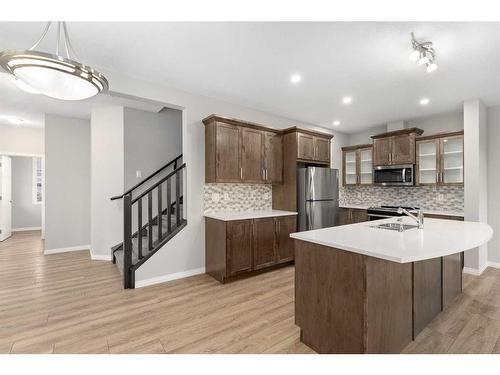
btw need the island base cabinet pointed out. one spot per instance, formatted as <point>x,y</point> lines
<point>452,277</point>
<point>427,296</point>
<point>352,303</point>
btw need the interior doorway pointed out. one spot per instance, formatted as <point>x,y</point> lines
<point>21,202</point>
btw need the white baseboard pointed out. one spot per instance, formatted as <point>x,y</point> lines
<point>66,249</point>
<point>475,271</point>
<point>25,229</point>
<point>170,277</point>
<point>100,256</point>
<point>494,264</point>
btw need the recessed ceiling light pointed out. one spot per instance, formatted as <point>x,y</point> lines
<point>295,78</point>
<point>424,101</point>
<point>336,123</point>
<point>347,100</point>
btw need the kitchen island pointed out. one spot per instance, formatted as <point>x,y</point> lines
<point>363,289</point>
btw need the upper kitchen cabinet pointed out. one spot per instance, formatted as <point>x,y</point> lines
<point>440,159</point>
<point>273,157</point>
<point>395,148</point>
<point>238,151</point>
<point>251,155</point>
<point>357,165</point>
<point>313,147</point>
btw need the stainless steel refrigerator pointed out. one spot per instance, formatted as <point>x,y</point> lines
<point>317,197</point>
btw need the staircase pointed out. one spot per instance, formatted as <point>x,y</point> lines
<point>154,207</point>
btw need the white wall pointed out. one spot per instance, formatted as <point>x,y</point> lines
<point>493,115</point>
<point>365,135</point>
<point>185,253</point>
<point>25,213</point>
<point>107,180</point>
<point>445,122</point>
<point>16,140</point>
<point>67,182</point>
<point>475,176</point>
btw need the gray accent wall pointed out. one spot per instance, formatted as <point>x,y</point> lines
<point>150,141</point>
<point>25,213</point>
<point>67,182</point>
<point>107,180</point>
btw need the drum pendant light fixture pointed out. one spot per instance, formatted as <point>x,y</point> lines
<point>53,75</point>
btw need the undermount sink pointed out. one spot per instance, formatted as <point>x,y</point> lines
<point>400,227</point>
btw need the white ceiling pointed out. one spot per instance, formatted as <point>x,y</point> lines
<point>31,108</point>
<point>250,64</point>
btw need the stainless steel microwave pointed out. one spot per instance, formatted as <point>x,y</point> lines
<point>398,175</point>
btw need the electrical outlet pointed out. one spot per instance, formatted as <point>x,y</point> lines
<point>138,174</point>
<point>226,196</point>
<point>440,197</point>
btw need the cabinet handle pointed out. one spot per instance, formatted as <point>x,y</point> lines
<point>263,174</point>
<point>241,173</point>
<point>266,174</point>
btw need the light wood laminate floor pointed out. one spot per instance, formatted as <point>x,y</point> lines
<point>66,303</point>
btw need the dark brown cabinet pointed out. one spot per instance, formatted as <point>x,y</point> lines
<point>251,155</point>
<point>284,244</point>
<point>352,216</point>
<point>395,148</point>
<point>264,243</point>
<point>322,149</point>
<point>403,149</point>
<point>273,158</point>
<point>382,151</point>
<point>239,247</point>
<point>227,160</point>
<point>237,152</point>
<point>243,246</point>
<point>305,146</point>
<point>313,148</point>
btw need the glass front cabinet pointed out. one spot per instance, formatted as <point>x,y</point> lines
<point>358,165</point>
<point>440,160</point>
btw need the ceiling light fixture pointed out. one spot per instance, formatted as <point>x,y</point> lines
<point>336,123</point>
<point>423,53</point>
<point>424,101</point>
<point>52,74</point>
<point>295,78</point>
<point>347,100</point>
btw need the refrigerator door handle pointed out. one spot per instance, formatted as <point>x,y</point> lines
<point>309,217</point>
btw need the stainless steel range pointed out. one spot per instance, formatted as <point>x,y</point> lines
<point>383,212</point>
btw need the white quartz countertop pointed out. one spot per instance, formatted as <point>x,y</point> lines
<point>438,238</point>
<point>247,215</point>
<point>428,212</point>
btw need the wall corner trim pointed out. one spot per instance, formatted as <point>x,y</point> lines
<point>25,229</point>
<point>169,277</point>
<point>66,249</point>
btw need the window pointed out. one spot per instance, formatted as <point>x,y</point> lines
<point>37,180</point>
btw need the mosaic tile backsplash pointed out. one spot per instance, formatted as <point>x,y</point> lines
<point>433,198</point>
<point>237,197</point>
